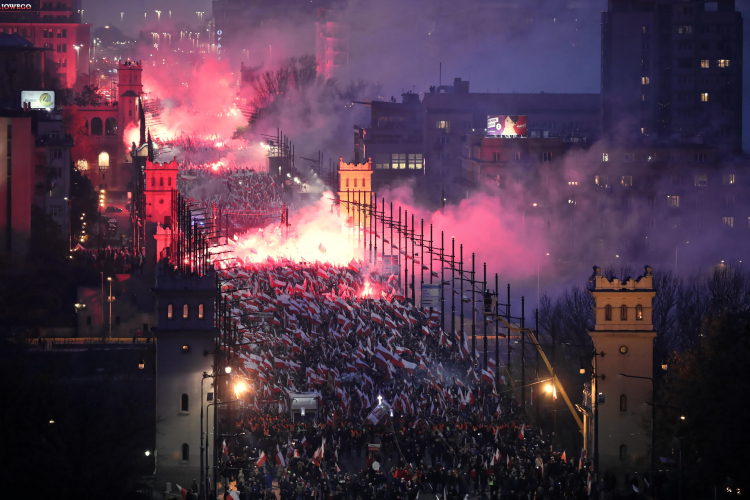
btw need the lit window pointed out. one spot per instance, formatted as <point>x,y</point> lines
<point>685,30</point>
<point>728,221</point>
<point>382,161</point>
<point>645,80</point>
<point>701,180</point>
<point>639,312</point>
<point>704,96</point>
<point>200,311</point>
<point>722,63</point>
<point>415,161</point>
<point>572,183</point>
<point>184,403</point>
<point>398,160</point>
<point>169,311</point>
<point>727,179</point>
<point>673,201</point>
<point>600,180</point>
<point>185,311</point>
<point>445,125</point>
<point>704,63</point>
<point>644,28</point>
<point>608,313</point>
<point>627,180</point>
<point>623,402</point>
<point>103,160</point>
<point>623,312</point>
<point>605,156</point>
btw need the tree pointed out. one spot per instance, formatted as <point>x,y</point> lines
<point>89,96</point>
<point>76,127</point>
<point>706,383</point>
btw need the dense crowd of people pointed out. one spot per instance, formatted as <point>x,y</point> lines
<point>110,260</point>
<point>386,377</point>
<point>251,198</point>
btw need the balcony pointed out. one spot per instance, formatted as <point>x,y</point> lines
<point>104,138</point>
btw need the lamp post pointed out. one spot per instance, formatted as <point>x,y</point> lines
<point>202,480</point>
<point>78,52</point>
<point>595,397</point>
<point>110,307</point>
<point>215,405</point>
<point>653,424</point>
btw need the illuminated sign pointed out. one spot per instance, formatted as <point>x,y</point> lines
<point>507,125</point>
<point>38,99</point>
<point>15,6</point>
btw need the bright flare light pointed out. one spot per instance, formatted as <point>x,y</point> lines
<point>239,388</point>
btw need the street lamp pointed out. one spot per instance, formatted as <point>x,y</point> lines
<point>595,397</point>
<point>158,15</point>
<point>202,471</point>
<point>653,423</point>
<point>110,306</point>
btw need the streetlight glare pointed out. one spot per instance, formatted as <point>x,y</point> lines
<point>548,388</point>
<point>228,369</point>
<point>239,388</point>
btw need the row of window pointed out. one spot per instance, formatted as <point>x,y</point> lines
<point>169,181</point>
<point>109,126</point>
<point>699,180</point>
<point>671,158</point>
<point>623,312</point>
<point>705,29</point>
<point>399,161</point>
<point>185,311</point>
<point>347,184</point>
<point>704,46</point>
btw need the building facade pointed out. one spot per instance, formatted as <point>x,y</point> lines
<point>185,351</point>
<point>624,333</point>
<point>393,140</point>
<point>55,26</point>
<point>355,186</point>
<point>672,70</point>
<point>331,44</point>
<point>106,125</point>
<point>452,112</point>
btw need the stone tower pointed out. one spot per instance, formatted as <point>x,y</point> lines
<point>161,179</point>
<point>129,89</point>
<point>185,349</point>
<point>355,185</point>
<point>625,333</point>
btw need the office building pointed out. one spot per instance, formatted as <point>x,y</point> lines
<point>55,26</point>
<point>672,71</point>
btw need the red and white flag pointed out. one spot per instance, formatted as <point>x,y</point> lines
<point>261,460</point>
<point>280,457</point>
<point>183,491</point>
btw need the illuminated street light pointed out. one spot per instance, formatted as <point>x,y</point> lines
<point>239,388</point>
<point>228,369</point>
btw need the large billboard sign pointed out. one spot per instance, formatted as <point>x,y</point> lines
<point>507,125</point>
<point>38,99</point>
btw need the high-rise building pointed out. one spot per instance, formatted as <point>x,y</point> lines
<point>672,71</point>
<point>331,44</point>
<point>56,26</point>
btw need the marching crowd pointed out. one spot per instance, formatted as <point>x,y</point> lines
<point>383,372</point>
<point>252,198</point>
<point>110,260</point>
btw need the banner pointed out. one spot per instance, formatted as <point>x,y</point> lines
<point>507,125</point>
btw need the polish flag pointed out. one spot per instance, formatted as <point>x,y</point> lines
<point>279,457</point>
<point>261,460</point>
<point>183,491</point>
<point>564,457</point>
<point>521,432</point>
